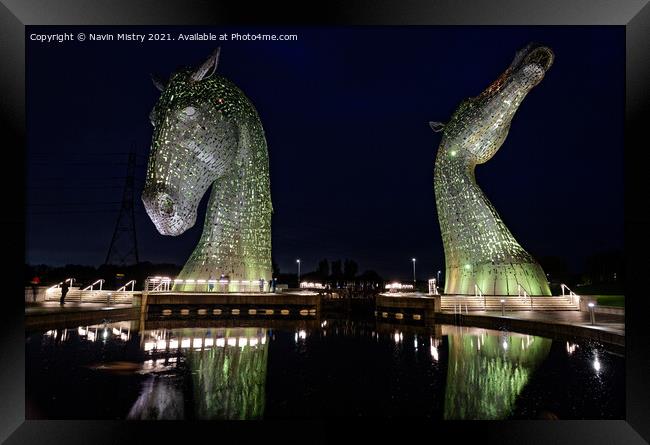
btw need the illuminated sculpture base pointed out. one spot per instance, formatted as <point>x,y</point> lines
<point>501,279</point>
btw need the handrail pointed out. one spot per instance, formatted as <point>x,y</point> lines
<point>90,287</point>
<point>433,284</point>
<point>525,295</point>
<point>458,305</point>
<point>162,286</point>
<point>572,294</point>
<point>123,288</point>
<point>58,285</point>
<point>479,293</point>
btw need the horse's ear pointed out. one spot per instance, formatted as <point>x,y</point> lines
<point>437,127</point>
<point>209,64</point>
<point>158,82</point>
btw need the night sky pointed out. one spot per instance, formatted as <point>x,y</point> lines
<point>346,113</point>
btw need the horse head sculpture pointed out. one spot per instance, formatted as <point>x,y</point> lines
<point>206,132</point>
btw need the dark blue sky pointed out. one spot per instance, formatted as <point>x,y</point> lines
<point>346,115</point>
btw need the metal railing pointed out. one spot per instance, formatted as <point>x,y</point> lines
<point>479,293</point>
<point>458,305</point>
<point>521,293</point>
<point>164,284</point>
<point>433,287</point>
<point>91,286</point>
<point>123,288</point>
<point>572,294</point>
<point>58,285</point>
<point>158,284</point>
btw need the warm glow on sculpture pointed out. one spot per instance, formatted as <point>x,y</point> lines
<point>479,248</point>
<point>208,133</point>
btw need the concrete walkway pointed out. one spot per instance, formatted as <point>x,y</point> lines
<point>612,323</point>
<point>50,315</point>
<point>609,328</point>
<point>53,307</point>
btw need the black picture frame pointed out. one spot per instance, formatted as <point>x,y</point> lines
<point>633,15</point>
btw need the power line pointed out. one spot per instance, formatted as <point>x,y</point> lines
<point>77,187</point>
<point>124,244</point>
<point>103,164</point>
<point>73,212</point>
<point>74,204</point>
<point>58,154</point>
<point>67,178</point>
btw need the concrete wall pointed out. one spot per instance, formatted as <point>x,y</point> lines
<point>40,294</point>
<point>586,299</point>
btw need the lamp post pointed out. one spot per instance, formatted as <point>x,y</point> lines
<point>503,309</point>
<point>414,281</point>
<point>298,261</point>
<point>438,280</point>
<point>591,312</point>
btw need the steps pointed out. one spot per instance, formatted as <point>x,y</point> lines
<point>451,303</point>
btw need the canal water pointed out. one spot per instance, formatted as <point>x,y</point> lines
<point>114,370</point>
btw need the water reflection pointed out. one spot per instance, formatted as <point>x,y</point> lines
<point>229,381</point>
<point>227,369</point>
<point>487,370</point>
<point>114,331</point>
<point>218,372</point>
<point>159,400</point>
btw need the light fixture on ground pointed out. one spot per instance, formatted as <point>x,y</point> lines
<point>592,316</point>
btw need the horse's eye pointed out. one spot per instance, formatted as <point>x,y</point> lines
<point>189,111</point>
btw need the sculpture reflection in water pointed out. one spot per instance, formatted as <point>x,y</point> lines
<point>160,399</point>
<point>226,368</point>
<point>229,382</point>
<point>487,370</point>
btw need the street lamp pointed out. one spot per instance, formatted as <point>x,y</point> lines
<point>298,261</point>
<point>591,312</point>
<point>438,280</point>
<point>414,281</point>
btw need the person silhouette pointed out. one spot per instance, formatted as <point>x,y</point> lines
<point>64,290</point>
<point>35,282</point>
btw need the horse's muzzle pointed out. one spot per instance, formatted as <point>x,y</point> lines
<point>162,209</point>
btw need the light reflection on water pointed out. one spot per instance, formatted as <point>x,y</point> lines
<point>223,372</point>
<point>487,371</point>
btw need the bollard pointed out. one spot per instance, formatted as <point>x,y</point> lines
<point>503,309</point>
<point>591,312</point>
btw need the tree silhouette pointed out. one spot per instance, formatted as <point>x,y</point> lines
<point>323,269</point>
<point>337,271</point>
<point>350,269</point>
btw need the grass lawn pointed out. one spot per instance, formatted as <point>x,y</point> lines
<point>610,300</point>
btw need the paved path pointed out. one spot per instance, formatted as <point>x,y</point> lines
<point>609,323</point>
<point>604,322</point>
<point>53,307</point>
<point>50,315</point>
